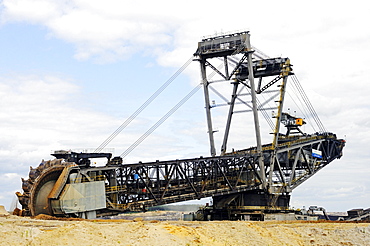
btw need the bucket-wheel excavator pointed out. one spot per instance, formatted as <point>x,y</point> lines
<point>246,183</point>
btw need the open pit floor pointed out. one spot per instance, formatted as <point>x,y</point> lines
<point>46,230</point>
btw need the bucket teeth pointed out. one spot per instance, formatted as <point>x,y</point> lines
<point>23,199</point>
<point>28,184</point>
<point>33,174</point>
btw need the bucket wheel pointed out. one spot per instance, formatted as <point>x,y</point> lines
<point>39,202</point>
<point>37,188</point>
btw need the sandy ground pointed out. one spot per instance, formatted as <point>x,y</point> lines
<point>26,231</point>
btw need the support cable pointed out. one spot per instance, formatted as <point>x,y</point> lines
<point>308,104</point>
<point>312,110</point>
<point>302,100</point>
<point>163,119</point>
<point>263,112</point>
<point>265,115</point>
<point>159,122</point>
<point>259,108</point>
<point>143,106</point>
<point>306,111</point>
<point>303,110</point>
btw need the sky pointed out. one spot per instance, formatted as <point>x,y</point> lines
<point>71,72</point>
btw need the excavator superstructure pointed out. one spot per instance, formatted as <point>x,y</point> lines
<point>246,183</point>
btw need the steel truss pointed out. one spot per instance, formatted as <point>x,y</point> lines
<point>139,186</point>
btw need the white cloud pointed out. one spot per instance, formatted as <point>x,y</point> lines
<point>40,114</point>
<point>104,31</point>
<point>112,30</point>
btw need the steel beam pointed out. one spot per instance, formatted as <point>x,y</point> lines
<point>255,112</point>
<point>230,114</point>
<point>207,106</point>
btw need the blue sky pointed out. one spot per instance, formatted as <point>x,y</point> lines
<point>72,71</point>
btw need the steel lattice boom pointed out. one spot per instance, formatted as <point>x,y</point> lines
<point>142,185</point>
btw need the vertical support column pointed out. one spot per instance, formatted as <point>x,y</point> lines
<point>255,112</point>
<point>208,106</point>
<point>285,72</point>
<point>157,181</point>
<point>113,183</point>
<point>226,68</point>
<point>228,122</point>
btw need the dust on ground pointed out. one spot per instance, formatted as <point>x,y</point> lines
<point>45,230</point>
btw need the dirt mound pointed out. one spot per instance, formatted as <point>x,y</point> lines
<point>3,212</point>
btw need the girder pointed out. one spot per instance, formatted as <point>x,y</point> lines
<point>264,68</point>
<point>142,185</point>
<point>133,187</point>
